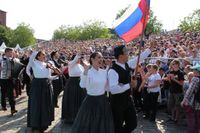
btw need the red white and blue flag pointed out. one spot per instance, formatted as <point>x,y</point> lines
<point>131,24</point>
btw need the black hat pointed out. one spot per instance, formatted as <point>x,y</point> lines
<point>53,53</point>
<point>118,50</point>
<point>73,56</point>
<point>174,50</point>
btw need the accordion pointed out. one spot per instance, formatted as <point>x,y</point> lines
<point>5,69</point>
<point>10,69</point>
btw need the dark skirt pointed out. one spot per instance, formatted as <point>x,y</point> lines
<point>40,108</point>
<point>94,116</point>
<point>72,99</point>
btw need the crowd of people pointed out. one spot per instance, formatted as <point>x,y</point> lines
<point>104,85</point>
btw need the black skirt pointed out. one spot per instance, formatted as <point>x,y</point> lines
<point>72,99</point>
<point>40,108</point>
<point>94,116</point>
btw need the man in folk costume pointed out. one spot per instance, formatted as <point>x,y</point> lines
<point>26,79</point>
<point>119,76</point>
<point>6,81</point>
<point>57,82</point>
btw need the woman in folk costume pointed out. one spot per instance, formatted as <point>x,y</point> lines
<point>40,105</point>
<point>95,112</point>
<point>73,93</point>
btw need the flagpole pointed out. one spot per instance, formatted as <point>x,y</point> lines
<point>134,78</point>
<point>142,38</point>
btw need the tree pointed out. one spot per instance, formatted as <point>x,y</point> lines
<point>23,35</point>
<point>94,29</point>
<point>191,22</point>
<point>74,33</point>
<point>67,32</point>
<point>60,33</point>
<point>5,35</point>
<point>88,30</point>
<point>153,25</point>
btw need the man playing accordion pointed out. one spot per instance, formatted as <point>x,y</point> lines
<point>6,80</point>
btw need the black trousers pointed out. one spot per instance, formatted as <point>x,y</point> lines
<point>152,99</point>
<point>27,83</point>
<point>28,86</point>
<point>7,91</point>
<point>57,88</point>
<point>124,114</point>
<point>137,96</point>
<point>145,99</point>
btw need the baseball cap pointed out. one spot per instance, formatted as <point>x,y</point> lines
<point>196,67</point>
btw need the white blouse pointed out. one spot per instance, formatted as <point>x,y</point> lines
<point>75,70</point>
<point>95,81</point>
<point>38,67</point>
<point>151,81</point>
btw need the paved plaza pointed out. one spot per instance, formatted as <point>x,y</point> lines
<point>17,123</point>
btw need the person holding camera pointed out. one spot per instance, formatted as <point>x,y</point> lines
<point>176,79</point>
<point>153,89</point>
<point>58,82</point>
<point>191,102</point>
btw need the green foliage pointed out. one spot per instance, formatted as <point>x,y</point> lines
<point>93,30</point>
<point>23,35</point>
<point>5,35</point>
<point>60,33</point>
<point>73,33</point>
<point>153,25</point>
<point>88,30</point>
<point>113,34</point>
<point>191,22</point>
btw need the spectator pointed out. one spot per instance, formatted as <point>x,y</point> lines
<point>191,104</point>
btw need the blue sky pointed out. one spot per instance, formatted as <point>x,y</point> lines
<point>44,16</point>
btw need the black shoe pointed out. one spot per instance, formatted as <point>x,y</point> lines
<point>170,120</point>
<point>56,106</point>
<point>139,110</point>
<point>145,116</point>
<point>152,120</point>
<point>70,122</point>
<point>4,108</point>
<point>13,112</point>
<point>175,121</point>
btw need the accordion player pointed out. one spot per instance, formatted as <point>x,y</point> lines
<point>9,68</point>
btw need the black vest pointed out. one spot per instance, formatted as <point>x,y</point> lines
<point>124,75</point>
<point>58,65</point>
<point>124,78</point>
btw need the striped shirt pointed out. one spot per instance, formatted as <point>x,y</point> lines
<point>189,95</point>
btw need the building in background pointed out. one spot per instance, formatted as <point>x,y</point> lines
<point>2,18</point>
